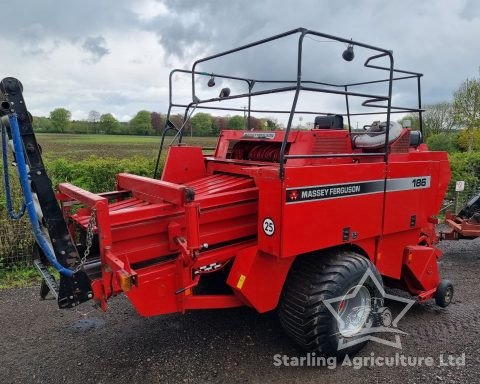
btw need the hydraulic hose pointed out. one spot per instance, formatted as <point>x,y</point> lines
<point>8,197</point>
<point>27,193</point>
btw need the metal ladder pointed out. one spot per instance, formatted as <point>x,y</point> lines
<point>48,283</point>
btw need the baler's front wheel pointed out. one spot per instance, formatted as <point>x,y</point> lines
<point>330,301</point>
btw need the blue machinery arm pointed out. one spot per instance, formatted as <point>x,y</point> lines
<point>74,287</point>
<point>28,197</point>
<point>8,197</point>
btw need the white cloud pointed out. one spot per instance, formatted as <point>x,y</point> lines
<point>134,45</point>
<point>149,9</point>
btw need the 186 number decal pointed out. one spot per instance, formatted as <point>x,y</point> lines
<point>420,182</point>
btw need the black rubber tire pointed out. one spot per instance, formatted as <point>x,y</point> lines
<point>314,278</point>
<point>444,294</point>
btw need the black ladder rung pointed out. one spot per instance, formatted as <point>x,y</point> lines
<point>47,277</point>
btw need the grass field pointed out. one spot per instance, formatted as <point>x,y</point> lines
<point>78,147</point>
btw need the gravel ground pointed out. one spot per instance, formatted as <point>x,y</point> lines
<point>41,344</point>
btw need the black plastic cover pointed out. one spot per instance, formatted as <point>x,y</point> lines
<point>416,138</point>
<point>329,122</point>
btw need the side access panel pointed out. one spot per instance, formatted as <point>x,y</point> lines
<point>329,205</point>
<point>415,188</point>
<point>411,188</point>
<point>270,201</point>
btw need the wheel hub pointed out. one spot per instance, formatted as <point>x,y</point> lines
<point>354,311</point>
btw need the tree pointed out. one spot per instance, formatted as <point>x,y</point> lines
<point>93,118</point>
<point>60,118</point>
<point>202,124</point>
<point>255,124</point>
<point>141,124</point>
<point>79,126</point>
<point>236,122</point>
<point>466,111</point>
<point>414,121</point>
<point>177,120</point>
<point>42,124</point>
<point>270,124</point>
<point>158,122</point>
<point>219,124</point>
<point>469,139</point>
<point>466,104</point>
<point>438,118</point>
<point>109,124</point>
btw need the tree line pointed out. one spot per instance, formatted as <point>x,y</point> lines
<point>453,125</point>
<point>146,123</point>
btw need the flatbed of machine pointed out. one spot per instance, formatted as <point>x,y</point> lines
<point>204,187</point>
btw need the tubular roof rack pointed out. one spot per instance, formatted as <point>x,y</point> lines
<point>298,85</point>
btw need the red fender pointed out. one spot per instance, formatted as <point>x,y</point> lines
<point>257,278</point>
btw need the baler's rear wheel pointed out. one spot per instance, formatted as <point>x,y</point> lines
<point>338,277</point>
<point>444,294</point>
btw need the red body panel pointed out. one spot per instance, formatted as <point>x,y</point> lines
<point>328,217</point>
<point>184,164</point>
<point>231,215</point>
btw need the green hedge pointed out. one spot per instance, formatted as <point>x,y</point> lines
<point>97,174</point>
<point>16,238</point>
<point>93,174</point>
<point>443,142</point>
<point>465,166</point>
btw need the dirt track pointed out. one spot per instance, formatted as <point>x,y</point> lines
<point>41,344</point>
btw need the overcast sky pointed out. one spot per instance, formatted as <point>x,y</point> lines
<point>115,56</point>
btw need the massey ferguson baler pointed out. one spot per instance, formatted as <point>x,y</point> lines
<point>280,219</point>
